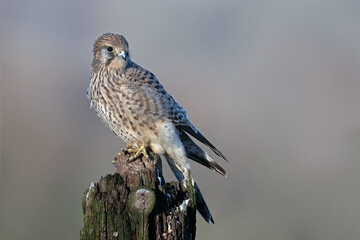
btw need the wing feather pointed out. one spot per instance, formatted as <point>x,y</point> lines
<point>166,106</point>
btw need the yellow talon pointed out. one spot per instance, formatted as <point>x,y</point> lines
<point>124,150</point>
<point>137,152</point>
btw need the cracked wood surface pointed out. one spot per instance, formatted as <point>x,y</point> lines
<point>136,203</point>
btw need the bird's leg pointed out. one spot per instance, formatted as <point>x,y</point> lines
<point>124,150</point>
<point>138,151</point>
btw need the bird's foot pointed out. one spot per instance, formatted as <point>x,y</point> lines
<point>137,151</point>
<point>123,151</point>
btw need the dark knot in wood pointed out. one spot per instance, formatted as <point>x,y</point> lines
<point>143,199</point>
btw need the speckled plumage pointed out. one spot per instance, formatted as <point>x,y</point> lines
<point>135,106</point>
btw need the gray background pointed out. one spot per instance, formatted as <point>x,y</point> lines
<point>274,84</point>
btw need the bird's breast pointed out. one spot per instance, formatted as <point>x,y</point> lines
<point>130,112</point>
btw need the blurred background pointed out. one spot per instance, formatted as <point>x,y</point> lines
<point>274,84</point>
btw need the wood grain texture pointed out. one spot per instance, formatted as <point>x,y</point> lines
<point>136,203</point>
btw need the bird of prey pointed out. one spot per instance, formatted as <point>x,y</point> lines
<point>135,106</point>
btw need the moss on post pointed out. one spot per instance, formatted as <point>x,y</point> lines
<point>136,203</point>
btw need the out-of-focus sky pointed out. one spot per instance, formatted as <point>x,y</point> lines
<point>274,84</point>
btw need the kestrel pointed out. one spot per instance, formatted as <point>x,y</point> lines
<point>135,106</point>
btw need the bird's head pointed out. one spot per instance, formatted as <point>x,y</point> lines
<point>110,50</point>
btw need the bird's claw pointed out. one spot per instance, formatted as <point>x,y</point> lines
<point>123,151</point>
<point>138,151</point>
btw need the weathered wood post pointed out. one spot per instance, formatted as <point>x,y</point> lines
<point>135,203</point>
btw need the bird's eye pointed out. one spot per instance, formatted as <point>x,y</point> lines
<point>110,49</point>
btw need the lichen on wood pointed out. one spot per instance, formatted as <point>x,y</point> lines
<point>136,203</point>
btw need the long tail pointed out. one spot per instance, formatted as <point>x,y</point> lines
<point>196,134</point>
<point>200,202</point>
<point>194,152</point>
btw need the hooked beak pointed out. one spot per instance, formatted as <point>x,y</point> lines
<point>122,54</point>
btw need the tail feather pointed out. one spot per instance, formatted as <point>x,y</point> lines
<point>196,134</point>
<point>194,152</point>
<point>201,206</point>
